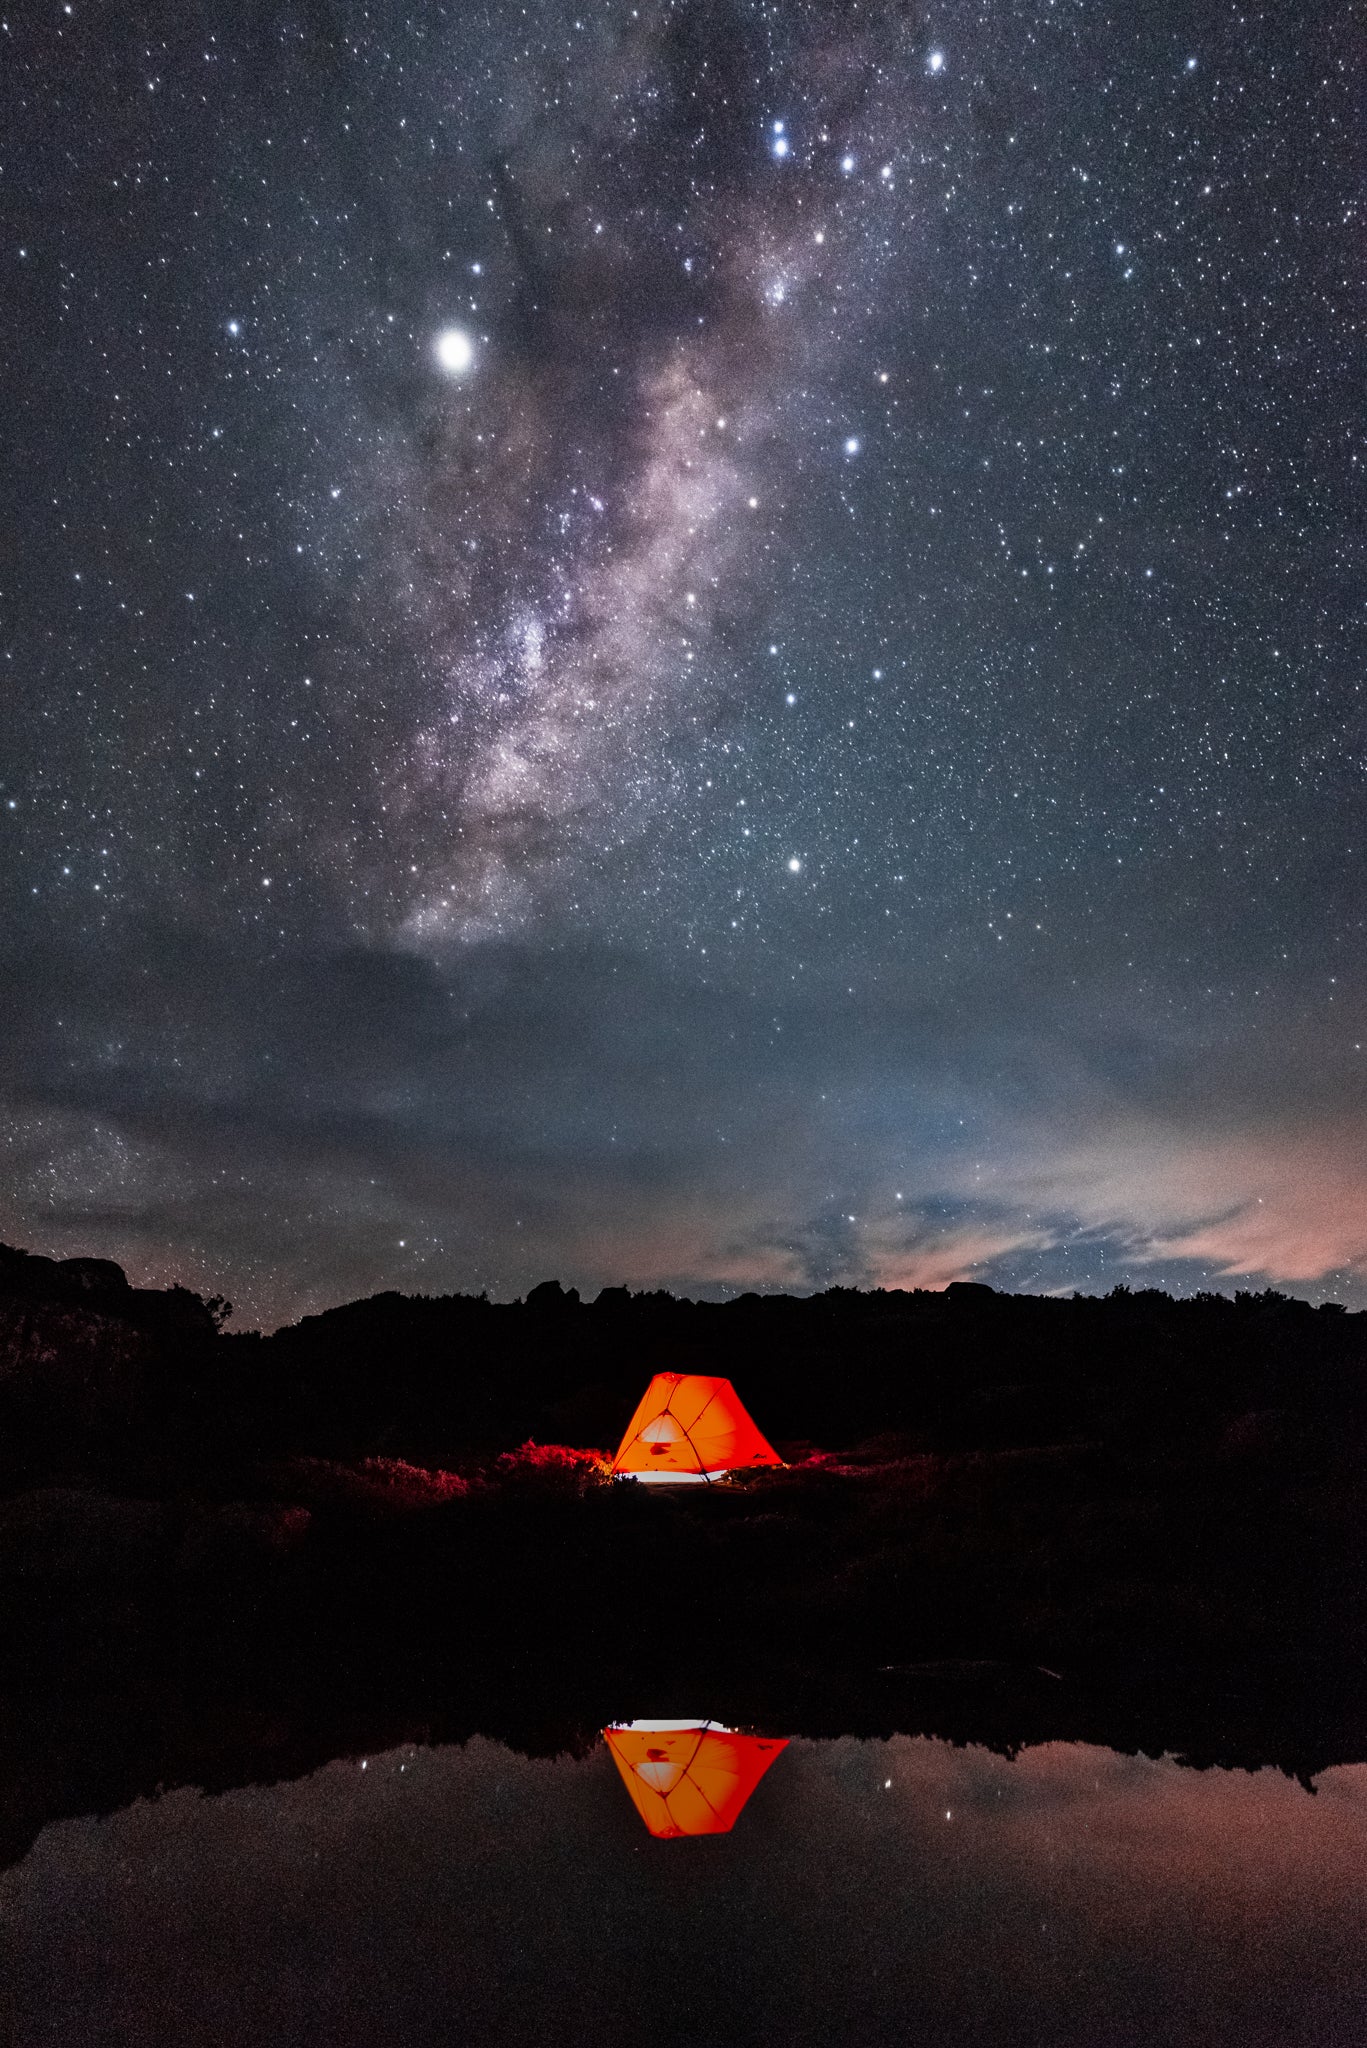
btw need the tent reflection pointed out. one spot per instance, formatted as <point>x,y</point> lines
<point>689,1777</point>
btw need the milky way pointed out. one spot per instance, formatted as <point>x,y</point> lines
<point>704,645</point>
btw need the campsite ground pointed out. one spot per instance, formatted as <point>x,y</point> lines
<point>1136,1522</point>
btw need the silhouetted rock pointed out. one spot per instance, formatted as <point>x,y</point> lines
<point>551,1295</point>
<point>36,1278</point>
<point>94,1276</point>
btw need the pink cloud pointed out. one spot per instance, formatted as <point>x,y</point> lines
<point>1283,1207</point>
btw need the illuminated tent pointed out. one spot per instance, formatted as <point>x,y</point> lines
<point>689,1777</point>
<point>690,1427</point>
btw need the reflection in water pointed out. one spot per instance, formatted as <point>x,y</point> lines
<point>689,1777</point>
<point>877,1893</point>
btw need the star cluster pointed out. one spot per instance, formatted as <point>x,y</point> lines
<point>705,644</point>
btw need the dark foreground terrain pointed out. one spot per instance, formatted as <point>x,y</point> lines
<point>1135,1521</point>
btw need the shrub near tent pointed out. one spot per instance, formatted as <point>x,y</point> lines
<point>690,1427</point>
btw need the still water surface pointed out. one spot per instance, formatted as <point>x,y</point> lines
<point>869,1892</point>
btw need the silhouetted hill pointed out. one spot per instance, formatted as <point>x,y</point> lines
<point>1134,1518</point>
<point>93,1369</point>
<point>102,1287</point>
<point>431,1379</point>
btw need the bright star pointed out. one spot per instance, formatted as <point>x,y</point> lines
<point>795,866</point>
<point>936,61</point>
<point>852,445</point>
<point>454,351</point>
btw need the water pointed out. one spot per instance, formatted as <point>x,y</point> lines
<point>869,1892</point>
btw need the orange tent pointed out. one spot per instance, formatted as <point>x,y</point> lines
<point>690,1427</point>
<point>689,1777</point>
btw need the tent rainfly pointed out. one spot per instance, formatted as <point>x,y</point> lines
<point>690,1427</point>
<point>689,1777</point>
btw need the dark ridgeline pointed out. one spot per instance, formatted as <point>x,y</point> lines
<point>966,1369</point>
<point>97,1375</point>
<point>1133,1520</point>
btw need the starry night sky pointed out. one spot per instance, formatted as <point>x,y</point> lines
<point>704,645</point>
